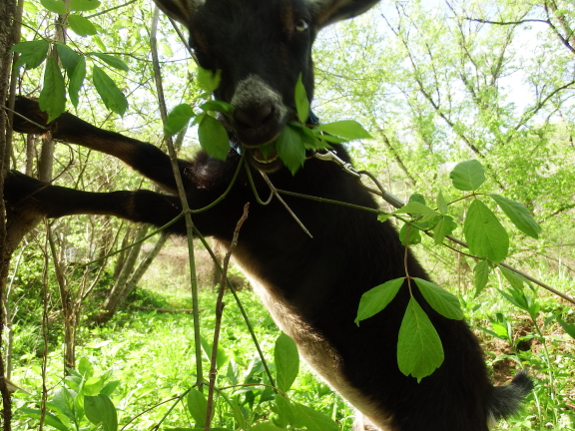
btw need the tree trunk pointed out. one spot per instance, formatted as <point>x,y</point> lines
<point>7,24</point>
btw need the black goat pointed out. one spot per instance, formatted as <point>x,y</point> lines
<point>312,287</point>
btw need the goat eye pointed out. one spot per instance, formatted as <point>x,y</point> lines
<point>301,25</point>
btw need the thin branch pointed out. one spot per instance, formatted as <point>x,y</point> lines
<point>219,314</point>
<point>286,206</point>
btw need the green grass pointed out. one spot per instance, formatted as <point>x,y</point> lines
<point>151,354</point>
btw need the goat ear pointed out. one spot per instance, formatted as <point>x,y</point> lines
<point>179,10</point>
<point>326,12</point>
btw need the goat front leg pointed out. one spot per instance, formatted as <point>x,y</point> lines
<point>28,197</point>
<point>147,159</point>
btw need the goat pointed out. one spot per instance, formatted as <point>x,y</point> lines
<point>311,286</point>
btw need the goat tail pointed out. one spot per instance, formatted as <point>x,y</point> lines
<point>504,400</point>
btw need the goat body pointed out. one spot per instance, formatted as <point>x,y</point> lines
<point>311,286</point>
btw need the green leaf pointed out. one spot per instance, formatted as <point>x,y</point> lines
<point>347,129</point>
<point>84,5</point>
<point>409,235</point>
<point>301,100</point>
<point>284,410</point>
<point>76,80</point>
<point>111,95</point>
<point>32,53</point>
<point>519,215</point>
<point>207,80</point>
<point>221,357</point>
<point>468,175</point>
<point>217,106</point>
<point>484,234</point>
<point>112,61</point>
<point>52,98</point>
<point>377,298</point>
<point>480,276</point>
<point>440,299</point>
<point>445,226</point>
<point>291,148</point>
<point>56,6</point>
<point>101,410</point>
<point>197,406</point>
<point>110,387</point>
<point>569,329</point>
<point>441,203</point>
<point>419,349</point>
<point>178,119</point>
<point>64,401</point>
<point>313,420</point>
<point>415,208</point>
<point>514,279</point>
<point>49,418</point>
<point>67,56</point>
<point>93,385</point>
<point>213,137</point>
<point>287,362</point>
<point>81,26</point>
<point>266,426</point>
<point>85,367</point>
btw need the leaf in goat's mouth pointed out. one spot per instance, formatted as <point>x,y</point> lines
<point>265,154</point>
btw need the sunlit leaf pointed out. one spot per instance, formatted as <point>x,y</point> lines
<point>445,226</point>
<point>291,149</point>
<point>409,235</point>
<point>101,410</point>
<point>178,119</point>
<point>75,80</point>
<point>440,299</point>
<point>112,61</point>
<point>208,80</point>
<point>32,53</point>
<point>419,349</point>
<point>49,418</point>
<point>514,279</point>
<point>313,420</point>
<point>441,203</point>
<point>519,215</point>
<point>197,406</point>
<point>111,95</point>
<point>347,129</point>
<point>468,175</point>
<point>213,137</point>
<point>81,26</point>
<point>217,106</point>
<point>415,207</point>
<point>484,234</point>
<point>52,98</point>
<point>84,5</point>
<point>56,6</point>
<point>480,276</point>
<point>287,362</point>
<point>301,100</point>
<point>377,298</point>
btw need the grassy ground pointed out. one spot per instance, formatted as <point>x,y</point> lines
<point>151,355</point>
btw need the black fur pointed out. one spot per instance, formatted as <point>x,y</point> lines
<point>317,282</point>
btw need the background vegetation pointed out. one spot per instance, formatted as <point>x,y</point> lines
<point>435,83</point>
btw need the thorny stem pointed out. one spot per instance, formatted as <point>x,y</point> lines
<point>219,314</point>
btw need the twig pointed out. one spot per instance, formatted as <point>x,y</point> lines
<point>289,210</point>
<point>240,307</point>
<point>219,313</point>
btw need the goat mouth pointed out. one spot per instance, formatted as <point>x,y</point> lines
<point>264,161</point>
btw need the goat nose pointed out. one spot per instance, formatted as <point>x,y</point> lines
<point>253,116</point>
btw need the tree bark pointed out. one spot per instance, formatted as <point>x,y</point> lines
<point>7,15</point>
